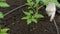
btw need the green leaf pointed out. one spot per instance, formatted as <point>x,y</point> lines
<point>1,15</point>
<point>30,4</point>
<point>4,30</point>
<point>3,33</point>
<point>27,17</point>
<point>2,0</point>
<point>26,13</point>
<point>36,5</point>
<point>38,15</point>
<point>29,1</point>
<point>29,21</point>
<point>34,20</point>
<point>30,11</point>
<point>37,1</point>
<point>24,18</point>
<point>4,4</point>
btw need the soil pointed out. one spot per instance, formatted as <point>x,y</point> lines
<point>18,26</point>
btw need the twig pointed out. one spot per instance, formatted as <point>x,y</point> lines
<point>56,26</point>
<point>14,9</point>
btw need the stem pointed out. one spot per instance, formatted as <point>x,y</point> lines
<point>56,26</point>
<point>40,7</point>
<point>14,9</point>
<point>33,9</point>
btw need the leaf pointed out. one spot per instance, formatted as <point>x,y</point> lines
<point>30,11</point>
<point>3,33</point>
<point>29,21</point>
<point>27,17</point>
<point>37,1</point>
<point>34,20</point>
<point>26,13</point>
<point>2,0</point>
<point>36,5</point>
<point>4,30</point>
<point>56,3</point>
<point>4,4</point>
<point>30,4</point>
<point>1,15</point>
<point>29,1</point>
<point>38,15</point>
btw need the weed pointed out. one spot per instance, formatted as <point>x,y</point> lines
<point>32,15</point>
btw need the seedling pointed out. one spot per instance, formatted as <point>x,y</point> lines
<point>31,16</point>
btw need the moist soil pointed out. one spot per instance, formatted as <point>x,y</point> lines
<point>18,26</point>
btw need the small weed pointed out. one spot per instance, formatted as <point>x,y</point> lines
<point>32,15</point>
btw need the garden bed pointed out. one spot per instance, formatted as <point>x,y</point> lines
<point>18,26</point>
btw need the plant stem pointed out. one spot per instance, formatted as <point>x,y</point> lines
<point>14,9</point>
<point>40,7</point>
<point>56,26</point>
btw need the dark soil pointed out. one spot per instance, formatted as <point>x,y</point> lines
<point>18,26</point>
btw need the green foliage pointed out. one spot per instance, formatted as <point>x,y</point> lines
<point>4,31</point>
<point>30,3</point>
<point>37,3</point>
<point>55,1</point>
<point>1,15</point>
<point>31,17</point>
<point>4,4</point>
<point>2,0</point>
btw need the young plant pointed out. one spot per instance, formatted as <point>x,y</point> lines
<point>31,17</point>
